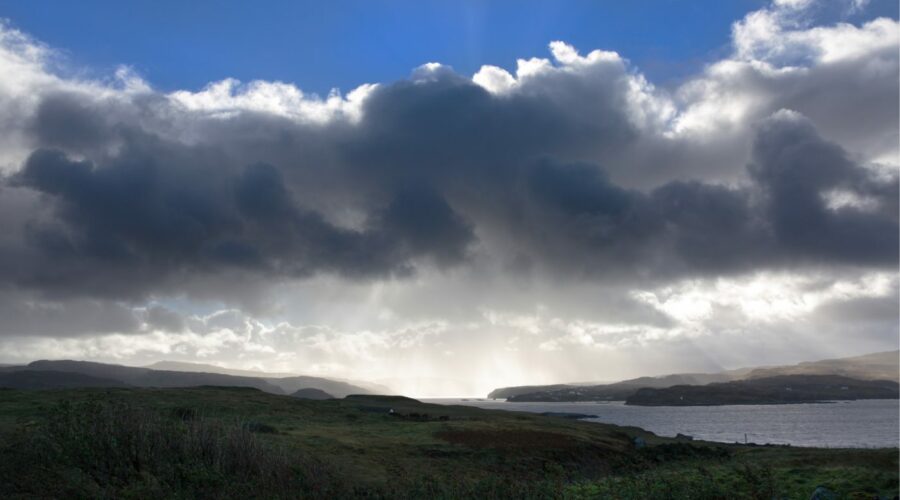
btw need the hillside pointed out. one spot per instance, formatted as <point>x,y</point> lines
<point>617,391</point>
<point>508,392</point>
<point>243,443</point>
<point>877,366</point>
<point>90,374</point>
<point>182,366</point>
<point>145,377</point>
<point>771,390</point>
<point>612,391</point>
<point>336,388</point>
<point>309,393</point>
<point>288,382</point>
<point>37,379</point>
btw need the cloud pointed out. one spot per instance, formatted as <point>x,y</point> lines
<point>155,213</point>
<point>552,198</point>
<point>712,323</point>
<point>796,168</point>
<point>835,75</point>
<point>162,318</point>
<point>262,183</point>
<point>137,224</point>
<point>25,315</point>
<point>228,97</point>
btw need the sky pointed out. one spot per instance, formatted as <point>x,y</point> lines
<point>448,197</point>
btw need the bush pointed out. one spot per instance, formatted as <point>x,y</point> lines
<point>260,428</point>
<point>701,481</point>
<point>111,449</point>
<point>115,450</point>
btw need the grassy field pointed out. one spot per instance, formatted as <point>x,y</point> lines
<point>240,443</point>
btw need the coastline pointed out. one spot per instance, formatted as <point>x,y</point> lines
<point>858,424</point>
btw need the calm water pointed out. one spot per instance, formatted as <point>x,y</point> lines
<point>857,424</point>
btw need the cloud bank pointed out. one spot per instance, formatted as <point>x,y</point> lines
<point>571,176</point>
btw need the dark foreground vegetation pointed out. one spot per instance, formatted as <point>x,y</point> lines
<point>243,443</point>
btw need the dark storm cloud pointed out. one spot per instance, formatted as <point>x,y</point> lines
<point>446,126</point>
<point>581,222</point>
<point>436,169</point>
<point>53,123</point>
<point>795,168</point>
<point>141,223</point>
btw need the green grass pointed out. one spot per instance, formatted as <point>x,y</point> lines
<point>241,443</point>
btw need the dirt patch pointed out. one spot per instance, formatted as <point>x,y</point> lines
<point>509,439</point>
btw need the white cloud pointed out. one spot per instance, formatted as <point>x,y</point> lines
<point>775,38</point>
<point>229,96</point>
<point>495,80</point>
<point>793,4</point>
<point>842,76</point>
<point>763,298</point>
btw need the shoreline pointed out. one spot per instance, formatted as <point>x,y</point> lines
<point>623,403</point>
<point>726,424</point>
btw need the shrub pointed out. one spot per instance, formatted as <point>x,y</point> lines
<point>113,450</point>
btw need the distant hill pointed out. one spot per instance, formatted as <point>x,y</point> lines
<point>309,393</point>
<point>685,378</point>
<point>877,366</point>
<point>38,379</point>
<point>616,391</point>
<point>181,366</point>
<point>145,377</point>
<point>339,389</point>
<point>411,383</point>
<point>780,389</point>
<point>509,392</point>
<point>287,382</point>
<point>178,374</point>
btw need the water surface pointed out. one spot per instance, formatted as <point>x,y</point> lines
<point>854,424</point>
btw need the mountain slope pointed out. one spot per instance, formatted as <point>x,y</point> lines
<point>287,382</point>
<point>338,389</point>
<point>145,377</point>
<point>182,366</point>
<point>509,392</point>
<point>39,379</point>
<point>876,366</point>
<point>770,390</point>
<point>309,393</point>
<point>612,392</point>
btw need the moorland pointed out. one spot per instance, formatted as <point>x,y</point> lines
<point>241,442</point>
